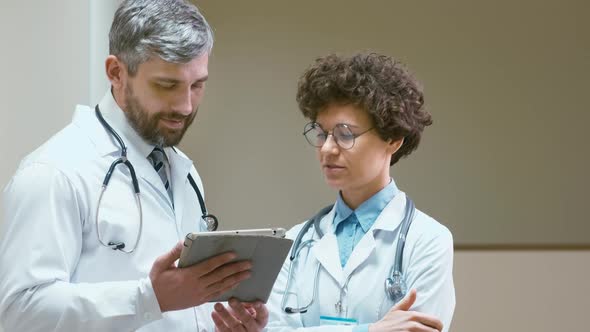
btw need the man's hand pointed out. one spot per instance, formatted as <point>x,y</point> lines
<point>241,317</point>
<point>194,285</point>
<point>399,319</point>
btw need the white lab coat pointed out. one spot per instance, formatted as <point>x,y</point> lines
<point>54,274</point>
<point>427,265</point>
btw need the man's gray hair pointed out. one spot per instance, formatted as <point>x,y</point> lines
<point>174,30</point>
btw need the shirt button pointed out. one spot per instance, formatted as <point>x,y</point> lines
<point>147,316</point>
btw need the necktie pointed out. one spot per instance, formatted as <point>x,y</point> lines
<point>160,163</point>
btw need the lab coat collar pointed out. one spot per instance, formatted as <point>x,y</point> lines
<point>369,210</point>
<point>118,120</point>
<point>392,215</point>
<point>326,250</point>
<point>137,148</point>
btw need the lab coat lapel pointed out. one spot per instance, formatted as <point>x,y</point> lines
<point>85,119</point>
<point>360,253</point>
<point>326,250</point>
<point>145,170</point>
<point>392,215</point>
<point>388,220</point>
<point>179,170</point>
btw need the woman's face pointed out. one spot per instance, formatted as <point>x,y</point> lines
<point>365,166</point>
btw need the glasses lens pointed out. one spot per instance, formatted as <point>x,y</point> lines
<point>344,136</point>
<point>314,134</point>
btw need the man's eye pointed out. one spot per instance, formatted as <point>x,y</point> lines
<point>165,86</point>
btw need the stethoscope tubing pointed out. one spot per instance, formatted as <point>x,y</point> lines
<point>210,220</point>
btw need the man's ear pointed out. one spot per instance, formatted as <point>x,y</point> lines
<point>116,71</point>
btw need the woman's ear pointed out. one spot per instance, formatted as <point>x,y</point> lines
<point>393,146</point>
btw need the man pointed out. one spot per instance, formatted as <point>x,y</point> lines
<point>75,259</point>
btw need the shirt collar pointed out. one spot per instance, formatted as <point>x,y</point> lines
<point>369,210</point>
<point>118,120</point>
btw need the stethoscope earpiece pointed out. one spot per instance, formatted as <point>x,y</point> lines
<point>117,245</point>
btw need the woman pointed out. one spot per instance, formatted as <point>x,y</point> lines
<point>366,112</point>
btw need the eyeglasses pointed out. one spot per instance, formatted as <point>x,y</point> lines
<point>343,135</point>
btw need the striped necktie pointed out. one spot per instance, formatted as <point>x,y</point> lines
<point>160,163</point>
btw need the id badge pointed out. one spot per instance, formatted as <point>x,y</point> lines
<point>329,320</point>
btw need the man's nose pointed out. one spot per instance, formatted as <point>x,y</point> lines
<point>184,103</point>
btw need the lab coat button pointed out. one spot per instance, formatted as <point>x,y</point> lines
<point>147,315</point>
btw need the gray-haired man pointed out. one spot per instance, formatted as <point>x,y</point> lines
<point>73,259</point>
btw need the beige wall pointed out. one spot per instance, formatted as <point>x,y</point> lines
<point>523,67</point>
<point>506,159</point>
<point>543,291</point>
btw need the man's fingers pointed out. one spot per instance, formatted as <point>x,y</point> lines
<point>225,271</point>
<point>406,303</point>
<point>165,261</point>
<point>209,265</point>
<point>226,284</point>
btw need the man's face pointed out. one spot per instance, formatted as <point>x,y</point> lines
<point>162,99</point>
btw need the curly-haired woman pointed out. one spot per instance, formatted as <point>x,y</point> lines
<point>366,112</point>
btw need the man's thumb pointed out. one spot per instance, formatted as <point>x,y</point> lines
<point>166,260</point>
<point>406,303</point>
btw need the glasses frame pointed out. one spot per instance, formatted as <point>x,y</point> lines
<point>313,125</point>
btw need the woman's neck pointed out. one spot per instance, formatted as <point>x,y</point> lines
<point>354,197</point>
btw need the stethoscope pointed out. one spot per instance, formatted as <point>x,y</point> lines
<point>209,219</point>
<point>395,285</point>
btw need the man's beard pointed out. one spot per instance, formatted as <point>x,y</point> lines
<point>147,125</point>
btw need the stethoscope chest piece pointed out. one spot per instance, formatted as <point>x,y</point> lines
<point>395,287</point>
<point>211,222</point>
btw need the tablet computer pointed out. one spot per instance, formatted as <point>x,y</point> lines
<point>277,232</point>
<point>266,248</point>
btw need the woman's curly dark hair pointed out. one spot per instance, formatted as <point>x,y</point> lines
<point>376,83</point>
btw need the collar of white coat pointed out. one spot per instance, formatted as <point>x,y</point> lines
<point>137,148</point>
<point>394,210</point>
<point>388,220</point>
<point>115,117</point>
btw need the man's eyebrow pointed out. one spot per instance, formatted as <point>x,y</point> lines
<point>175,81</point>
<point>203,79</point>
<point>166,80</point>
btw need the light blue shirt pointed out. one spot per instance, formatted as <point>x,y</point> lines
<point>351,225</point>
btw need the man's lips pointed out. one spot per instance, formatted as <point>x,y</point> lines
<point>173,123</point>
